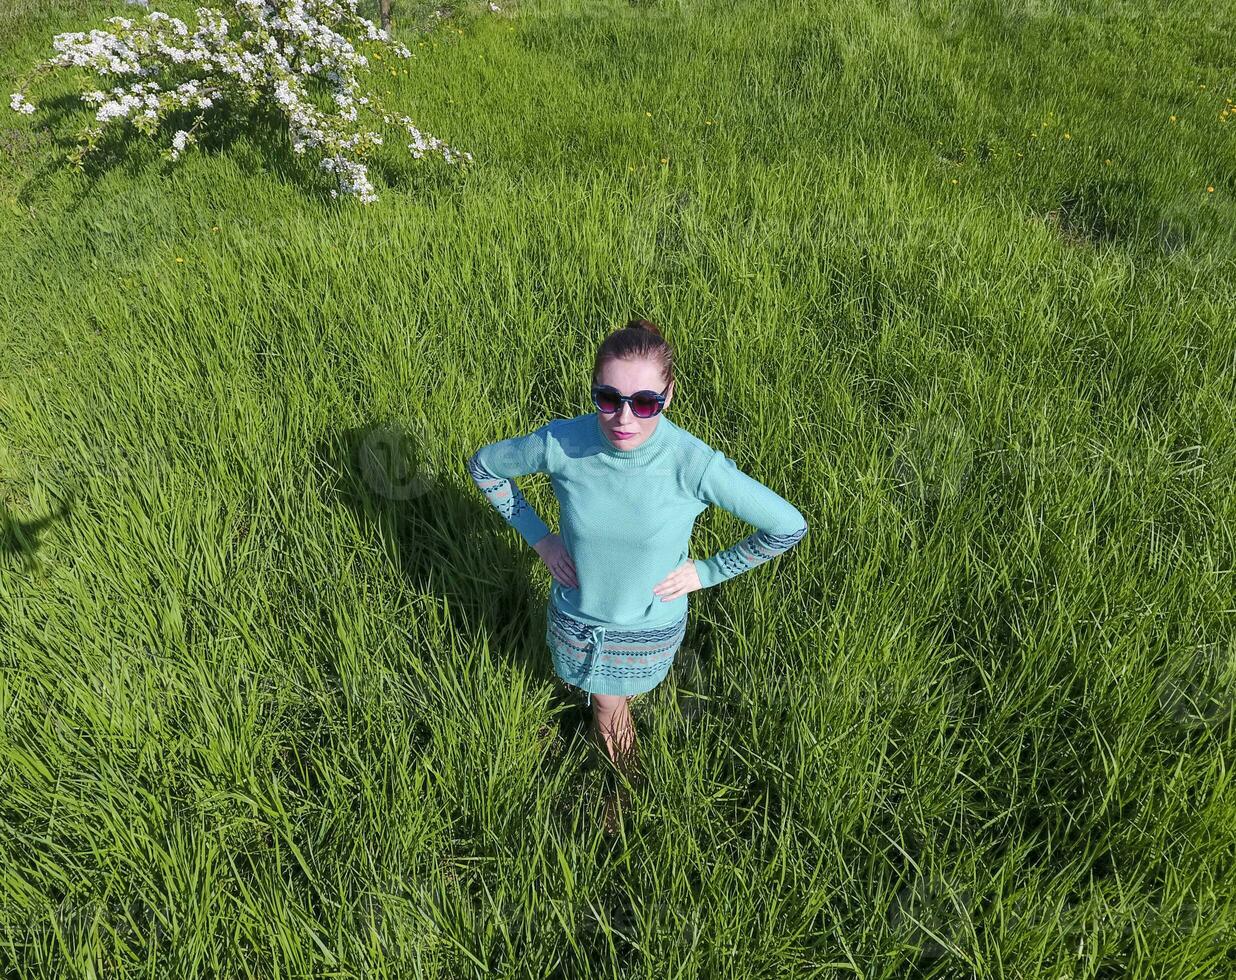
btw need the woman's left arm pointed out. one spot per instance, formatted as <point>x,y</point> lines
<point>780,525</point>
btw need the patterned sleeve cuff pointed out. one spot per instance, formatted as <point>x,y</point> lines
<point>506,498</point>
<point>755,549</point>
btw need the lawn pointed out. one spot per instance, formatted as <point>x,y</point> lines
<point>957,280</point>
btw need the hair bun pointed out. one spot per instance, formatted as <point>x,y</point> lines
<point>637,340</point>
<point>644,325</point>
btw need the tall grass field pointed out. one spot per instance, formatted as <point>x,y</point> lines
<point>958,280</point>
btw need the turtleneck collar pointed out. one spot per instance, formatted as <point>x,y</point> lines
<point>640,452</point>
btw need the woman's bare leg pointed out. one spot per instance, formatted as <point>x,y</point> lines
<point>613,729</point>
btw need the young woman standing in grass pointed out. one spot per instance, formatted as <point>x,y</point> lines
<point>630,484</point>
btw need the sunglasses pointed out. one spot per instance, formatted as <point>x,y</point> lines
<point>645,404</point>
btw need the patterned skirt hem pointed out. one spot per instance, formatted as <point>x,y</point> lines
<point>630,661</point>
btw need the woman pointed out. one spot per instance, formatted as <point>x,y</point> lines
<point>630,484</point>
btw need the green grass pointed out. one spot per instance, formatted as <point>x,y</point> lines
<point>275,699</point>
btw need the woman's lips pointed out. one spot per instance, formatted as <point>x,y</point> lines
<point>624,435</point>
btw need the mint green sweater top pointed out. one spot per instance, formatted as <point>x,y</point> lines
<point>626,515</point>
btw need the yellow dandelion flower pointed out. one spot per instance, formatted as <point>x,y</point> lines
<point>393,72</point>
<point>1171,118</point>
<point>1067,136</point>
<point>1019,154</point>
<point>179,259</point>
<point>954,180</point>
<point>1210,189</point>
<point>663,160</point>
<point>1108,162</point>
<point>215,228</point>
<point>648,114</point>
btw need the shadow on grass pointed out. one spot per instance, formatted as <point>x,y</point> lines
<point>445,543</point>
<point>254,140</point>
<point>22,538</point>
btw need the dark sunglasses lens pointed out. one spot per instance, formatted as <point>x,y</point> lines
<point>645,406</point>
<point>607,401</point>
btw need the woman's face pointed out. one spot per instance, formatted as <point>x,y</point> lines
<point>629,377</point>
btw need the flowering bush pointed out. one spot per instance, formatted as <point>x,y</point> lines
<point>283,55</point>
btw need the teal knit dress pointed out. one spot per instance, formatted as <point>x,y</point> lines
<point>626,518</point>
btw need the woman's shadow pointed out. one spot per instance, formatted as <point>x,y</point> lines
<point>447,543</point>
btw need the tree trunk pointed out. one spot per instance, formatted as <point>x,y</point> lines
<point>385,7</point>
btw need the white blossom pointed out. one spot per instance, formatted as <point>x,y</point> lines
<point>282,47</point>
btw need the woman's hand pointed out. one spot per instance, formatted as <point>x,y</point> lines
<point>553,552</point>
<point>679,582</point>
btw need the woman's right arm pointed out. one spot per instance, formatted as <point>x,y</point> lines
<point>491,468</point>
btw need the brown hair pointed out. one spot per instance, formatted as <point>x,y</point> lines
<point>638,339</point>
